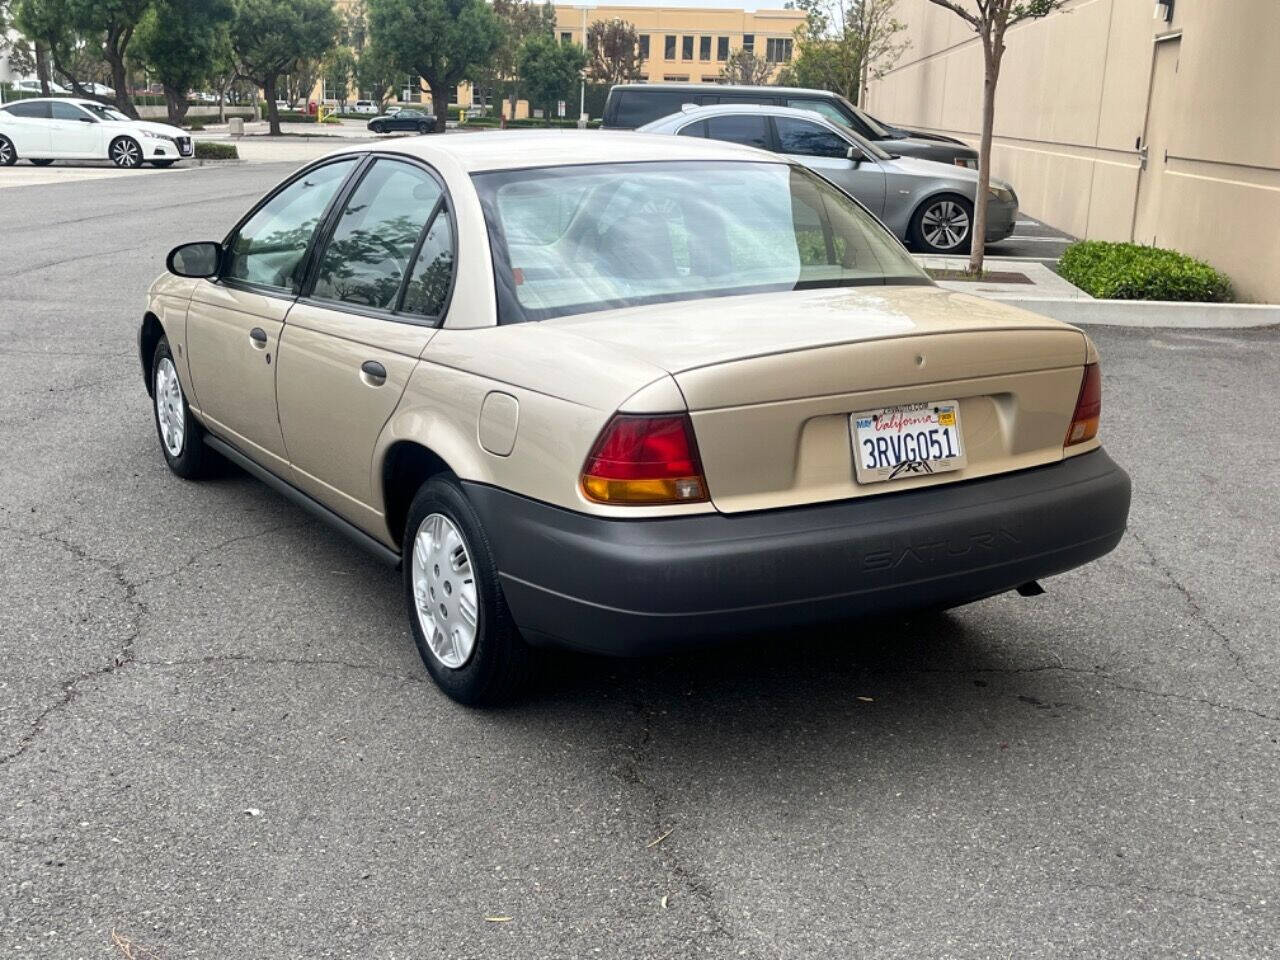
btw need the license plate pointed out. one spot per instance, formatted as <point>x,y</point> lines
<point>185,149</point>
<point>913,440</point>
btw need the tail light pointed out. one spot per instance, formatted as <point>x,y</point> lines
<point>645,460</point>
<point>1084,422</point>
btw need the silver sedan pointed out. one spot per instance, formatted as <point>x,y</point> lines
<point>928,205</point>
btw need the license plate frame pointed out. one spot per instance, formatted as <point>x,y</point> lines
<point>931,427</point>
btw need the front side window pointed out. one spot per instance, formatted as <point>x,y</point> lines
<point>574,239</point>
<point>804,139</point>
<point>269,247</point>
<point>365,261</point>
<point>60,110</point>
<point>101,112</point>
<point>749,130</point>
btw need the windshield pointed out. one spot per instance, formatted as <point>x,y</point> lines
<point>874,150</point>
<point>103,113</point>
<point>879,132</point>
<point>580,238</point>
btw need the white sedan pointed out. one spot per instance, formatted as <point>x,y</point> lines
<point>46,129</point>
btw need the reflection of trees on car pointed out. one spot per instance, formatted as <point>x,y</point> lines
<point>365,266</point>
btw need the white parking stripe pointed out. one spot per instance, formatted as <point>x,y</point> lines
<point>24,175</point>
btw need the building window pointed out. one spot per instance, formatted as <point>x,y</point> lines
<point>749,42</point>
<point>675,77</point>
<point>411,92</point>
<point>669,48</point>
<point>778,49</point>
<point>644,46</point>
<point>704,48</point>
<point>566,37</point>
<point>686,48</point>
<point>722,49</point>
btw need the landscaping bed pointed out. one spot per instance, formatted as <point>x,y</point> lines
<point>1130,271</point>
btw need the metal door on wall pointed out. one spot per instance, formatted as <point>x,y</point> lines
<point>1154,146</point>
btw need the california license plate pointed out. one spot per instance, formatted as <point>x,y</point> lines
<point>913,440</point>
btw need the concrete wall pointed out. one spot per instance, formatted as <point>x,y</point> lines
<point>1072,107</point>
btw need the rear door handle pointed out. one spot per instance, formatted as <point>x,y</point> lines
<point>373,373</point>
<point>259,337</point>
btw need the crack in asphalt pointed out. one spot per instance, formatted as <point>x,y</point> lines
<point>216,548</point>
<point>630,772</point>
<point>1197,612</point>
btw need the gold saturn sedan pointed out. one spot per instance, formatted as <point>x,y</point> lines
<point>623,393</point>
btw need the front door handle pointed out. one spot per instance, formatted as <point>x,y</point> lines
<point>373,373</point>
<point>258,337</point>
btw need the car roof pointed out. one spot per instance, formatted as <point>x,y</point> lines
<point>693,114</point>
<point>517,150</point>
<point>713,88</point>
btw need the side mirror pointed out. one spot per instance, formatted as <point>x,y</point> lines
<point>856,155</point>
<point>200,260</point>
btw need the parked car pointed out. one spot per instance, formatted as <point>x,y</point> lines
<point>927,205</point>
<point>404,119</point>
<point>584,395</point>
<point>46,129</point>
<point>365,106</point>
<point>632,105</point>
<point>283,105</point>
<point>98,89</point>
<point>33,86</point>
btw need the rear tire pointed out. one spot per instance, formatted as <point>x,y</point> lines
<point>942,225</point>
<point>40,161</point>
<point>8,155</point>
<point>458,615</point>
<point>181,436</point>
<point>125,153</point>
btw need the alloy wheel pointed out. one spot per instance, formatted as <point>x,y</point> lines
<point>170,408</point>
<point>945,225</point>
<point>6,152</point>
<point>126,153</point>
<point>444,591</point>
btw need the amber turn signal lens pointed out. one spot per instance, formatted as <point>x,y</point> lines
<point>1084,422</point>
<point>645,460</point>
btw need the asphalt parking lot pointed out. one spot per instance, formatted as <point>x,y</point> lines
<point>217,740</point>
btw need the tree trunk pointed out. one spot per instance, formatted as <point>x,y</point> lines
<point>175,102</point>
<point>42,68</point>
<point>273,115</point>
<point>978,243</point>
<point>113,52</point>
<point>439,101</point>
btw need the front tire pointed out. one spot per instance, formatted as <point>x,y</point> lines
<point>377,128</point>
<point>8,155</point>
<point>181,437</point>
<point>458,615</point>
<point>423,129</point>
<point>125,153</point>
<point>943,225</point>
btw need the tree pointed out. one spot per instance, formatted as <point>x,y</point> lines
<point>377,74</point>
<point>990,19</point>
<point>182,42</point>
<point>443,41</point>
<point>519,20</point>
<point>745,68</point>
<point>842,43</point>
<point>551,70</point>
<point>614,46</point>
<point>270,37</point>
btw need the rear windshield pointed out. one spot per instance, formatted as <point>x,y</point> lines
<point>581,238</point>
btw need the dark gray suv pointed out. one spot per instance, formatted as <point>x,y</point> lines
<point>632,105</point>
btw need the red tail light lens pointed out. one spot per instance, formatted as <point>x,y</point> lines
<point>1084,422</point>
<point>645,460</point>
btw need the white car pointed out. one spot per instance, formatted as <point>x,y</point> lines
<point>365,106</point>
<point>33,86</point>
<point>43,130</point>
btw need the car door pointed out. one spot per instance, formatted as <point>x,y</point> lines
<point>73,133</point>
<point>234,322</point>
<point>27,125</point>
<point>824,151</point>
<point>376,293</point>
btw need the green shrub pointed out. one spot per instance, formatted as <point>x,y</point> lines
<point>1129,271</point>
<point>216,150</point>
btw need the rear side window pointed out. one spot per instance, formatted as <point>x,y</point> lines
<point>432,269</point>
<point>30,111</point>
<point>635,108</point>
<point>365,261</point>
<point>805,139</point>
<point>698,129</point>
<point>270,245</point>
<point>740,128</point>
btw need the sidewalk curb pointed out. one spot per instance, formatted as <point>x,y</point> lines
<point>1151,313</point>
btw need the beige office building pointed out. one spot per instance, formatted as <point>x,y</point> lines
<point>1121,120</point>
<point>686,43</point>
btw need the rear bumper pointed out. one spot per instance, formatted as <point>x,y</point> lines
<point>645,586</point>
<point>1001,220</point>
